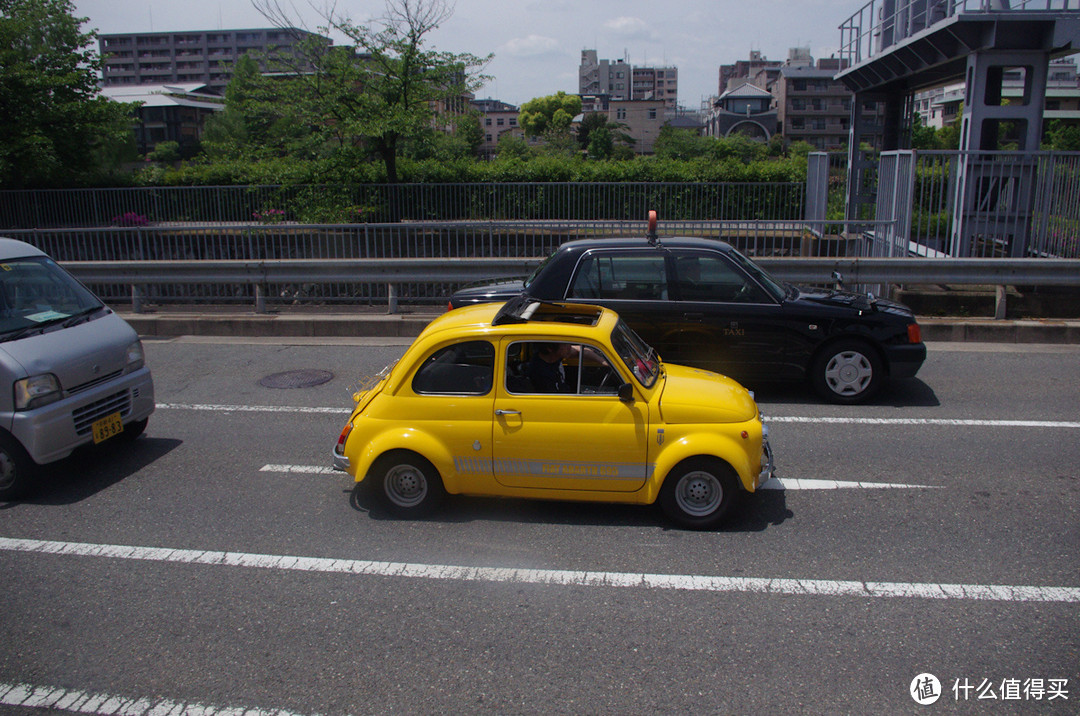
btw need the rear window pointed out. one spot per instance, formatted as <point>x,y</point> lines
<point>35,292</point>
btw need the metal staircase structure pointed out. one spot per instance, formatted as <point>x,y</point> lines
<point>894,48</point>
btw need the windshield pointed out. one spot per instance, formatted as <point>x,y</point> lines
<point>774,286</point>
<point>36,293</point>
<point>536,273</point>
<point>638,355</point>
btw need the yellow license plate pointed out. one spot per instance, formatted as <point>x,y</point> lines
<point>107,427</point>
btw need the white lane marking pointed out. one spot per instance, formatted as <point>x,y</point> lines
<point>304,469</point>
<point>251,408</point>
<point>58,699</point>
<point>555,577</point>
<point>793,483</point>
<point>951,422</point>
<point>776,483</point>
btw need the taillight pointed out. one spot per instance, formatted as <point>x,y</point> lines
<point>340,448</point>
<point>914,333</point>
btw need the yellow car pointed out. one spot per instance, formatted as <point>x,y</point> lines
<point>552,401</point>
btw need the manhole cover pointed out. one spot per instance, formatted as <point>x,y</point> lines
<point>296,379</point>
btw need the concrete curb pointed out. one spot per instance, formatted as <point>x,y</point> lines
<point>353,325</point>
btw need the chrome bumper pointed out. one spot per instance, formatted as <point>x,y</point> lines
<point>339,462</point>
<point>767,465</point>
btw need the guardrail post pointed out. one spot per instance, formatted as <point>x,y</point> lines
<point>260,298</point>
<point>136,299</point>
<point>999,302</point>
<point>391,298</point>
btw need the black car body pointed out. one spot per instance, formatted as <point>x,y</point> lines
<point>701,303</point>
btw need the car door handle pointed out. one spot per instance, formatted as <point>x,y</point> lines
<point>694,316</point>
<point>507,412</point>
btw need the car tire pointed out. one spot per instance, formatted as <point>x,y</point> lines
<point>17,469</point>
<point>699,493</point>
<point>410,485</point>
<point>848,372</point>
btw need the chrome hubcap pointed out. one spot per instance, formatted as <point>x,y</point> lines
<point>699,493</point>
<point>405,485</point>
<point>849,373</point>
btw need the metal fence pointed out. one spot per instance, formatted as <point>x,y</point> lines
<point>447,241</point>
<point>386,203</point>
<point>1014,204</point>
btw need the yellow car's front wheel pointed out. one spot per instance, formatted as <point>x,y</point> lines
<point>699,492</point>
<point>409,483</point>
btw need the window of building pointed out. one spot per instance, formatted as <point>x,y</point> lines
<point>620,113</point>
<point>652,114</point>
<point>500,122</point>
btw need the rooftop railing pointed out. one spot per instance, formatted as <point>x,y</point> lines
<point>880,24</point>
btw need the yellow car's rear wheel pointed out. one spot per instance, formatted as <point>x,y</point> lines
<point>410,484</point>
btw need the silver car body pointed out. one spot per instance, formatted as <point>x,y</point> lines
<point>90,357</point>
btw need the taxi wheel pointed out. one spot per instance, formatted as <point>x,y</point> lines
<point>848,372</point>
<point>411,485</point>
<point>699,493</point>
<point>17,469</point>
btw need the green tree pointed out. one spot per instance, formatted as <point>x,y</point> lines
<point>54,128</point>
<point>601,143</point>
<point>551,114</point>
<point>387,89</point>
<point>1063,137</point>
<point>676,143</point>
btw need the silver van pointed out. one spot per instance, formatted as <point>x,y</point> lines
<point>72,372</point>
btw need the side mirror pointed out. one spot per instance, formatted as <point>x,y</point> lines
<point>839,278</point>
<point>626,393</point>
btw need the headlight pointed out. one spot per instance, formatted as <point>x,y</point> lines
<point>135,357</point>
<point>35,391</point>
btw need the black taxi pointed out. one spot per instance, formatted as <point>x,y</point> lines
<point>701,303</point>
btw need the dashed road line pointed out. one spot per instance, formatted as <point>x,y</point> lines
<point>823,420</point>
<point>75,701</point>
<point>556,577</point>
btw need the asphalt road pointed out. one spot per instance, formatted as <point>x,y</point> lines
<point>216,564</point>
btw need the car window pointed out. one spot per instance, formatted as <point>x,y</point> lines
<point>625,276</point>
<point>36,292</point>
<point>466,368</point>
<point>559,367</point>
<point>638,356</point>
<point>774,286</point>
<point>704,277</point>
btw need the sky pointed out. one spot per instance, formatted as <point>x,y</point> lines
<point>537,44</point>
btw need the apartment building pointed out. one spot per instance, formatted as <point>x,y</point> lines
<point>496,119</point>
<point>811,106</point>
<point>757,70</point>
<point>619,80</point>
<point>204,57</point>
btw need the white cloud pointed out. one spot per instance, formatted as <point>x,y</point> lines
<point>530,46</point>
<point>629,27</point>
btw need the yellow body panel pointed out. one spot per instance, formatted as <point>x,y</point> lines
<point>553,446</point>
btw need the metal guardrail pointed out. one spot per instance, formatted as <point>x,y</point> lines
<point>258,274</point>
